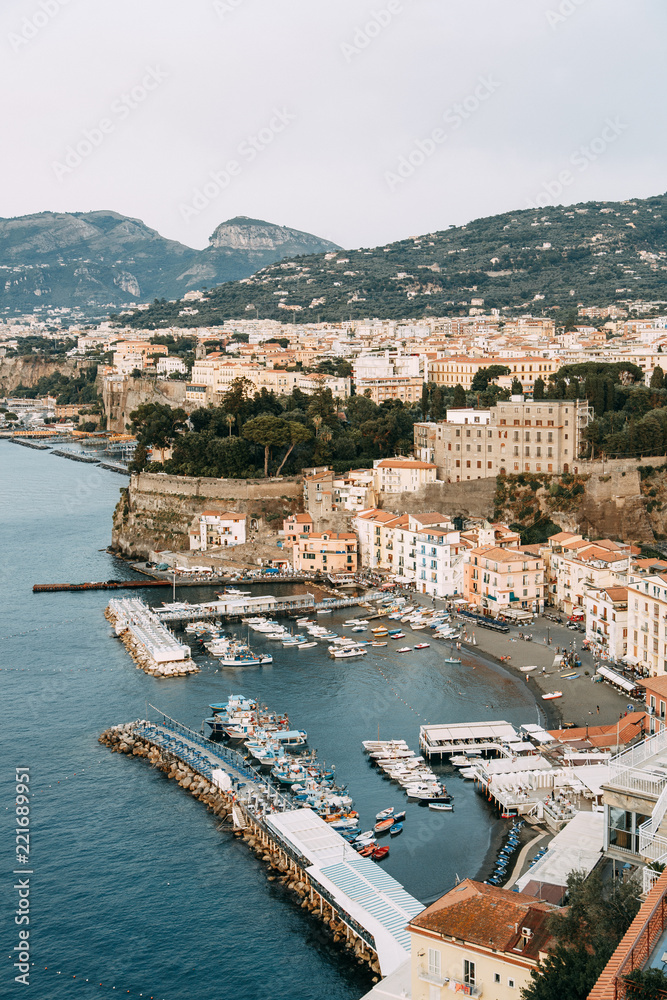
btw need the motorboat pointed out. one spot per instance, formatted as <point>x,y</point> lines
<point>395,829</point>
<point>385,813</point>
<point>305,645</point>
<point>378,644</point>
<point>423,645</point>
<point>344,653</point>
<point>441,806</point>
<point>404,649</point>
<point>380,853</point>
<point>552,695</point>
<point>383,825</point>
<point>452,659</point>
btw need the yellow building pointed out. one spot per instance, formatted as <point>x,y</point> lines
<point>478,941</point>
<point>327,552</point>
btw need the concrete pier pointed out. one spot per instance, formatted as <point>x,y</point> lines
<point>150,643</point>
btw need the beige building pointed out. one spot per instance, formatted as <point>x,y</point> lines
<point>577,566</point>
<point>407,389</point>
<point>211,529</point>
<point>402,475</point>
<point>515,436</point>
<point>647,624</point>
<point>479,941</point>
<point>325,552</point>
<point>607,621</point>
<point>461,370</point>
<point>499,580</point>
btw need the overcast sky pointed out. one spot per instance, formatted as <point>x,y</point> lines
<point>361,122</point>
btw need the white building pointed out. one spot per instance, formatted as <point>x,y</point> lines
<point>647,624</point>
<point>167,366</point>
<point>607,621</point>
<point>402,475</point>
<point>212,529</point>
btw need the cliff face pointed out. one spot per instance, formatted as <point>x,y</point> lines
<point>121,398</point>
<point>28,370</point>
<point>157,510</point>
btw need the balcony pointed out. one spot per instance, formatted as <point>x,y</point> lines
<point>430,976</point>
<point>466,989</point>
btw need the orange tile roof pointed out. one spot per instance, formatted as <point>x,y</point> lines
<point>389,463</point>
<point>481,914</point>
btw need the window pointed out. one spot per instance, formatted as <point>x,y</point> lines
<point>510,983</point>
<point>468,973</point>
<point>496,977</point>
<point>434,963</point>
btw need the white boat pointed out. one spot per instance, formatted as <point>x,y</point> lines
<point>324,611</point>
<point>441,806</point>
<point>404,649</point>
<point>344,653</point>
<point>376,644</point>
<point>306,645</point>
<point>527,670</point>
<point>552,695</point>
<point>422,645</point>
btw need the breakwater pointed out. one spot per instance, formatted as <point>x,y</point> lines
<point>75,457</point>
<point>283,838</point>
<point>29,444</point>
<point>150,644</point>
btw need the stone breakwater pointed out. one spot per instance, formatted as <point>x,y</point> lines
<point>224,805</point>
<point>144,660</point>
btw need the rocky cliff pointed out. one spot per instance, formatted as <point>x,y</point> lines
<point>156,510</point>
<point>29,369</point>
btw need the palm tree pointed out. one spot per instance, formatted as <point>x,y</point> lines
<point>229,417</point>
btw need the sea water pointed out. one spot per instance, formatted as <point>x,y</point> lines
<point>135,890</point>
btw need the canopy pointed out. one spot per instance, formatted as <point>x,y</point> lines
<point>616,679</point>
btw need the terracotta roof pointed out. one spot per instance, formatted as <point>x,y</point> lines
<point>617,593</point>
<point>655,685</point>
<point>561,536</point>
<point>482,914</point>
<point>389,463</point>
<point>301,518</point>
<point>433,518</point>
<point>224,515</point>
<point>621,732</point>
<point>500,555</point>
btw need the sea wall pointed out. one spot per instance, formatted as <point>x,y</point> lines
<point>156,510</point>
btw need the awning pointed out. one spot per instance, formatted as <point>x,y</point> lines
<point>616,679</point>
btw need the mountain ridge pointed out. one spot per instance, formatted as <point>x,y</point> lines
<point>102,260</point>
<point>542,259</point>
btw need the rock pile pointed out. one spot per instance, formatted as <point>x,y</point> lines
<point>145,662</point>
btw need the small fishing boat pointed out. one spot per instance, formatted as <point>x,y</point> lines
<point>377,644</point>
<point>306,645</point>
<point>552,695</point>
<point>367,851</point>
<point>380,853</point>
<point>404,649</point>
<point>383,825</point>
<point>397,635</point>
<point>452,659</point>
<point>385,813</point>
<point>399,817</point>
<point>441,806</point>
<point>395,829</point>
<point>527,670</point>
<point>423,645</point>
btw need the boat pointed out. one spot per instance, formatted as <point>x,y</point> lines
<point>452,659</point>
<point>367,850</point>
<point>306,645</point>
<point>378,644</point>
<point>423,645</point>
<point>527,670</point>
<point>324,611</point>
<point>395,829</point>
<point>380,853</point>
<point>383,825</point>
<point>397,635</point>
<point>552,695</point>
<point>404,649</point>
<point>345,652</point>
<point>385,813</point>
<point>416,628</point>
<point>441,806</point>
<point>399,817</point>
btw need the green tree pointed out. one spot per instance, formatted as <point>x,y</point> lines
<point>269,431</point>
<point>459,397</point>
<point>298,434</point>
<point>538,388</point>
<point>647,984</point>
<point>156,425</point>
<point>485,375</point>
<point>517,388</point>
<point>657,378</point>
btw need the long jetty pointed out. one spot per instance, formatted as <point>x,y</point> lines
<point>148,641</point>
<point>265,604</point>
<point>42,588</point>
<point>364,908</point>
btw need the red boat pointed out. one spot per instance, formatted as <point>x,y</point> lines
<point>380,853</point>
<point>368,851</point>
<point>382,825</point>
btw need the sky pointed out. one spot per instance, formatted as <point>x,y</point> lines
<point>361,122</point>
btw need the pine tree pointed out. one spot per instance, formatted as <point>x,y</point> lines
<point>459,396</point>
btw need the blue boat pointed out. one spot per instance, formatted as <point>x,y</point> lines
<point>395,829</point>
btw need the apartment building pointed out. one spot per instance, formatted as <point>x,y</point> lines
<point>169,366</point>
<point>217,372</point>
<point>439,559</point>
<point>404,388</point>
<point>498,580</point>
<point>607,621</point>
<point>577,566</point>
<point>402,475</point>
<point>478,940</point>
<point>212,529</point>
<point>461,370</point>
<point>131,354</point>
<point>647,624</point>
<point>373,528</point>
<point>325,552</point>
<point>512,437</point>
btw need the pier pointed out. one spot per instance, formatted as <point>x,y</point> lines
<point>150,643</point>
<point>366,910</point>
<point>44,588</point>
<point>234,607</point>
<point>490,738</point>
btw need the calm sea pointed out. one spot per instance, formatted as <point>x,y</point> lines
<point>135,891</point>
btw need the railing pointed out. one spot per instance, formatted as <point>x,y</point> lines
<point>649,877</point>
<point>636,780</point>
<point>651,846</point>
<point>645,940</point>
<point>652,825</point>
<point>637,755</point>
<point>430,977</point>
<point>467,989</point>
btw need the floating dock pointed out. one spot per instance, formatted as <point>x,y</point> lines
<point>499,739</point>
<point>43,588</point>
<point>366,909</point>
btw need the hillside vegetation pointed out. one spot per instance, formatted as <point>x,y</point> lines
<point>546,260</point>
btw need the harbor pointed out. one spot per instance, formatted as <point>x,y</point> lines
<point>365,910</point>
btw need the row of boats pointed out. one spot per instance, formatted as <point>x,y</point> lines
<point>399,763</point>
<point>505,855</point>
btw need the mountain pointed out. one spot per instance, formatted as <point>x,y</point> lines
<point>596,253</point>
<point>102,260</point>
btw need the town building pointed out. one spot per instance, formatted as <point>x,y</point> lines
<point>461,370</point>
<point>576,566</point>
<point>647,624</point>
<point>498,580</point>
<point>325,552</point>
<point>402,475</point>
<point>171,366</point>
<point>478,940</point>
<point>607,621</point>
<point>519,435</point>
<point>212,529</point>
